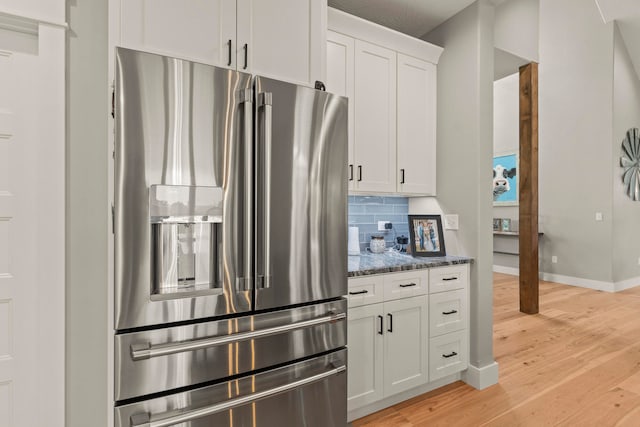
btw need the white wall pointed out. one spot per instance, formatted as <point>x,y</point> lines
<point>575,122</point>
<point>464,152</point>
<point>516,28</point>
<point>626,213</point>
<point>87,216</point>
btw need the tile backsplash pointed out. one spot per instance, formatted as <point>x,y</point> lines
<point>366,211</point>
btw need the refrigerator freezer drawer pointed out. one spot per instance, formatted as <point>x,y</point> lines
<point>164,359</point>
<point>310,393</point>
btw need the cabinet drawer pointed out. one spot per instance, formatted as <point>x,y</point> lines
<point>404,285</point>
<point>447,312</point>
<point>448,354</point>
<point>365,290</point>
<point>443,279</point>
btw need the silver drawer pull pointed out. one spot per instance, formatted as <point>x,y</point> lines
<point>453,353</point>
<point>144,419</point>
<point>359,292</point>
<point>146,351</point>
<point>446,313</point>
<point>408,285</point>
<point>447,279</point>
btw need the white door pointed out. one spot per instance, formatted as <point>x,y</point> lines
<point>282,39</point>
<point>32,246</point>
<point>198,30</point>
<point>375,118</point>
<point>405,346</point>
<point>340,80</point>
<point>364,338</point>
<point>416,126</point>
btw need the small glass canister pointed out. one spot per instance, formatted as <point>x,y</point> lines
<point>377,244</point>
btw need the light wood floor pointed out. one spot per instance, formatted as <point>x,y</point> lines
<point>576,363</point>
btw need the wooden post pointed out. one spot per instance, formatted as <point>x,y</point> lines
<point>528,187</point>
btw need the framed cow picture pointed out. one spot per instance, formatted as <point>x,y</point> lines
<point>505,179</point>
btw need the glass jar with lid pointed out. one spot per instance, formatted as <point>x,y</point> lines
<point>377,244</point>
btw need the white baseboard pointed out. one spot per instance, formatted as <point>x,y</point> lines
<point>597,285</point>
<point>514,271</point>
<point>626,284</point>
<point>481,378</point>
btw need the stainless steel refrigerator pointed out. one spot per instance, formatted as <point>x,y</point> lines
<point>230,248</point>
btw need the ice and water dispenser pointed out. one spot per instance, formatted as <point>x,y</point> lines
<point>186,240</point>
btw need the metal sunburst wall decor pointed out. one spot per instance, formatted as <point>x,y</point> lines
<point>630,162</point>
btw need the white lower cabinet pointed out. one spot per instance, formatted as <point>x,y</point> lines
<point>401,336</point>
<point>365,344</point>
<point>405,344</point>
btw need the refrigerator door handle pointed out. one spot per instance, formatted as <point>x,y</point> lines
<point>245,283</point>
<point>147,351</point>
<point>145,419</point>
<point>265,101</point>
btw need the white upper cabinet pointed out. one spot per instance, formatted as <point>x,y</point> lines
<point>392,147</point>
<point>375,124</point>
<point>198,30</point>
<point>340,80</point>
<point>281,39</point>
<point>416,126</point>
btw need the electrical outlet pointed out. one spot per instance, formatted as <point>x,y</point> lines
<point>382,225</point>
<point>598,216</point>
<point>554,259</point>
<point>451,222</point>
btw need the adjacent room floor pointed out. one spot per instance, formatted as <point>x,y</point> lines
<point>576,363</point>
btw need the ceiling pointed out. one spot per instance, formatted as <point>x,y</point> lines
<point>627,14</point>
<point>413,17</point>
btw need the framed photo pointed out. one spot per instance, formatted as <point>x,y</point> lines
<point>497,224</point>
<point>427,238</point>
<point>505,179</point>
<point>506,224</point>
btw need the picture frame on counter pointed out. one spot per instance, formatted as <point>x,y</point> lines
<point>427,238</point>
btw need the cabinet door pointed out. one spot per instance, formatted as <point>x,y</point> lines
<point>416,126</point>
<point>340,79</point>
<point>364,341</point>
<point>375,118</point>
<point>282,39</point>
<point>405,345</point>
<point>198,30</point>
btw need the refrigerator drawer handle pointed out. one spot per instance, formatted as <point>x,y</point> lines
<point>144,419</point>
<point>147,351</point>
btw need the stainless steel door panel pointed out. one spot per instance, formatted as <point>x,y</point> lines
<point>164,359</point>
<point>301,194</point>
<point>310,393</point>
<point>179,123</point>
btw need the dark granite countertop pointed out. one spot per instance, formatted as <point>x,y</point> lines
<point>390,261</point>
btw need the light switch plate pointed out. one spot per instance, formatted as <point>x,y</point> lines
<point>451,222</point>
<point>598,216</point>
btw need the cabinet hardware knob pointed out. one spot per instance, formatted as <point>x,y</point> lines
<point>359,292</point>
<point>390,328</point>
<point>229,45</point>
<point>449,312</point>
<point>447,279</point>
<point>453,353</point>
<point>350,172</point>
<point>380,320</point>
<point>401,176</point>
<point>359,172</point>
<point>407,285</point>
